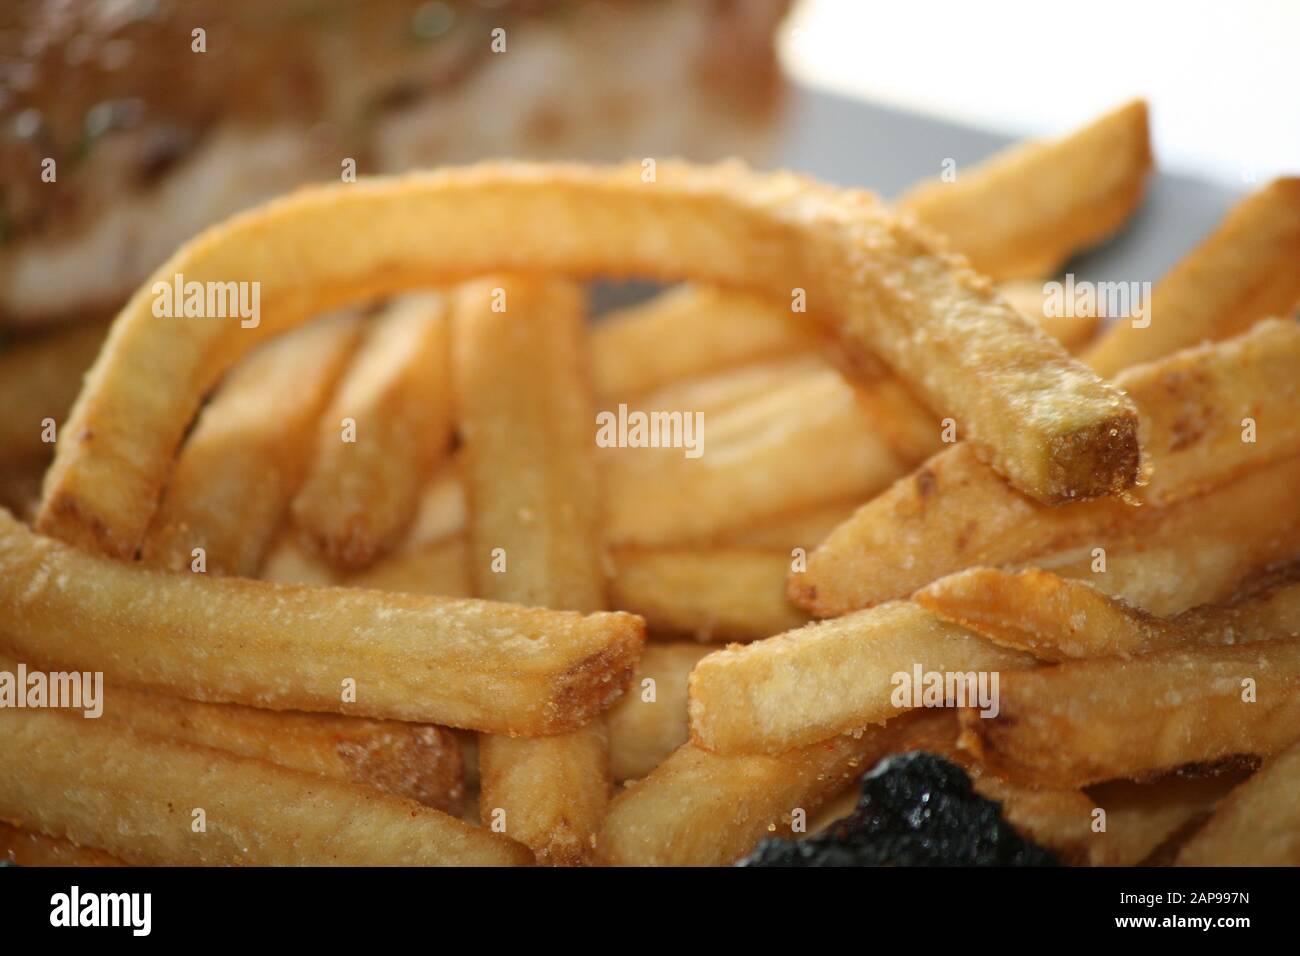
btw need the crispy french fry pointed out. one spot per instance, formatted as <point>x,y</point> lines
<point>1029,208</point>
<point>29,848</point>
<point>287,561</point>
<point>1089,721</point>
<point>649,722</point>
<point>688,331</point>
<point>832,677</point>
<point>802,445</point>
<point>1259,822</point>
<point>880,285</point>
<point>380,436</point>
<point>703,809</point>
<point>39,380</point>
<point>137,798</point>
<point>955,511</point>
<point>442,510</point>
<point>441,568</point>
<point>530,472</point>
<point>418,761</point>
<point>1198,551</point>
<point>711,594</point>
<point>710,395</point>
<point>238,469</point>
<point>1243,272</point>
<point>1057,619</point>
<point>1144,819</point>
<point>464,663</point>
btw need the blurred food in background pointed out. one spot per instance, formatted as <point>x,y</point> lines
<point>150,147</point>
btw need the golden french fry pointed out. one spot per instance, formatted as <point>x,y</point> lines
<point>649,722</point>
<point>39,380</point>
<point>1029,208</point>
<point>138,797</point>
<point>1057,619</point>
<point>1196,552</point>
<point>834,677</point>
<point>418,761</point>
<point>1144,820</point>
<point>29,848</point>
<point>955,511</point>
<point>1258,824</point>
<point>934,320</point>
<point>464,663</point>
<point>710,395</point>
<point>688,331</point>
<point>703,809</point>
<point>1089,721</point>
<point>380,436</point>
<point>1243,272</point>
<point>287,561</point>
<point>441,568</point>
<point>801,445</point>
<point>528,458</point>
<point>239,468</point>
<point>711,594</point>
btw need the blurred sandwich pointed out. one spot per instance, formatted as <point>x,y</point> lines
<point>163,116</point>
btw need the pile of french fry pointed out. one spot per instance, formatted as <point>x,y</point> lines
<point>386,471</point>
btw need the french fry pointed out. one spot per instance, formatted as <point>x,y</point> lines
<point>39,380</point>
<point>1143,820</point>
<point>441,568</point>
<point>713,394</point>
<point>530,471</point>
<point>829,678</point>
<point>1243,272</point>
<point>28,848</point>
<point>1196,552</point>
<point>881,286</point>
<point>702,809</point>
<point>688,331</point>
<point>360,492</point>
<point>463,663</point>
<point>238,469</point>
<point>1259,822</point>
<point>711,594</point>
<point>955,511</point>
<point>1029,208</point>
<point>418,761</point>
<point>802,445</point>
<point>139,798</point>
<point>1075,724</point>
<point>1057,619</point>
<point>649,722</point>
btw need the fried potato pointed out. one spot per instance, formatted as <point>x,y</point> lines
<point>1259,822</point>
<point>360,492</point>
<point>649,722</point>
<point>39,380</point>
<point>1057,619</point>
<point>829,678</point>
<point>463,663</point>
<point>703,809</point>
<point>1029,208</point>
<point>1145,820</point>
<point>1243,272</point>
<point>1088,721</point>
<point>955,511</point>
<point>801,445</point>
<point>136,797</point>
<point>441,568</point>
<point>934,320</point>
<point>28,848</point>
<point>418,761</point>
<point>713,394</point>
<point>711,594</point>
<point>1075,330</point>
<point>239,468</point>
<point>805,528</point>
<point>689,331</point>
<point>528,457</point>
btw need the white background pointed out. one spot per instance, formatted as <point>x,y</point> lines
<point>1222,78</point>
